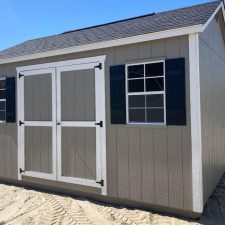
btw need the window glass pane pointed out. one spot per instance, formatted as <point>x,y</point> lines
<point>137,101</point>
<point>136,71</point>
<point>155,84</point>
<point>154,69</point>
<point>2,94</point>
<point>2,115</point>
<point>136,85</point>
<point>2,105</point>
<point>155,115</point>
<point>137,115</point>
<point>154,101</point>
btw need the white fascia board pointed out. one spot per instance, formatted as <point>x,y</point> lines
<point>221,6</point>
<point>196,136</point>
<point>108,44</point>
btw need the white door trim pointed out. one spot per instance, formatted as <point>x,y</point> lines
<point>21,129</point>
<point>56,68</point>
<point>89,60</point>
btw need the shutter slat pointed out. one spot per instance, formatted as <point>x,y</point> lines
<point>10,100</point>
<point>175,92</point>
<point>117,94</point>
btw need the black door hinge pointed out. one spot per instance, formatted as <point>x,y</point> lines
<point>21,123</point>
<point>21,75</point>
<point>99,124</point>
<point>99,66</point>
<point>21,171</point>
<point>100,182</point>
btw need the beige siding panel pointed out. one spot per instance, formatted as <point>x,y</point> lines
<point>212,81</point>
<point>161,167</point>
<point>120,55</point>
<point>175,167</point>
<point>150,177</point>
<point>89,95</point>
<point>145,50</point>
<point>134,163</point>
<point>38,149</point>
<point>158,48</point>
<point>79,152</point>
<point>123,162</point>
<point>172,48</point>
<point>3,150</point>
<point>90,153</point>
<point>132,52</point>
<point>147,165</point>
<point>78,95</point>
<point>37,97</point>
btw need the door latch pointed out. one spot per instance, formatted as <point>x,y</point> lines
<point>99,124</point>
<point>21,123</point>
<point>100,182</point>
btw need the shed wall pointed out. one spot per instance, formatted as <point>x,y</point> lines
<point>147,164</point>
<point>212,83</point>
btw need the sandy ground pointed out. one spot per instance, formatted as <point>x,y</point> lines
<point>27,207</point>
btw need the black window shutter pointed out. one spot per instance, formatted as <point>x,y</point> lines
<point>118,94</point>
<point>175,92</point>
<point>10,100</point>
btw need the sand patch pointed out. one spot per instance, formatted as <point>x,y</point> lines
<point>19,206</point>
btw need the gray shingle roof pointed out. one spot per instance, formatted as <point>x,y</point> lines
<point>184,17</point>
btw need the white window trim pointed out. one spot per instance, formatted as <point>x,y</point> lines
<point>145,92</point>
<point>3,100</point>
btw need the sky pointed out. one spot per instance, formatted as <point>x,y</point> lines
<point>22,20</point>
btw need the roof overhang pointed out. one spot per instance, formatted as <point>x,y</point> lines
<point>118,42</point>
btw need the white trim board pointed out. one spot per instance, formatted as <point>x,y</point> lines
<point>80,62</point>
<point>196,138</point>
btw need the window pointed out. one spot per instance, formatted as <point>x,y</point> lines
<point>2,99</point>
<point>145,87</point>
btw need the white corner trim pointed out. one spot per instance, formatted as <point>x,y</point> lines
<point>221,6</point>
<point>108,44</point>
<point>195,108</point>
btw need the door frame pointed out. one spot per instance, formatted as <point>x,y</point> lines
<point>57,66</point>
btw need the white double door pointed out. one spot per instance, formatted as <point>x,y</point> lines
<point>61,122</point>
